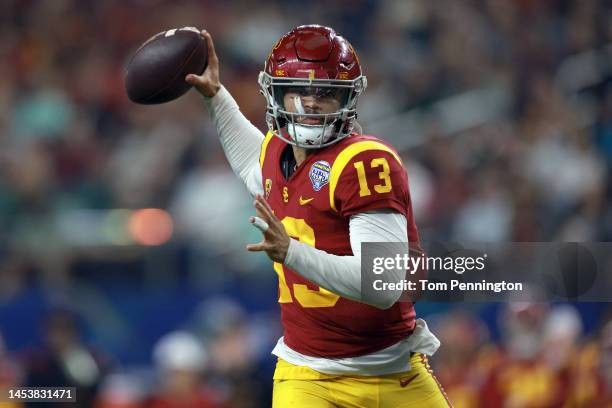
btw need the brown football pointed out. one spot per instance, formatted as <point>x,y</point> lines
<point>156,73</point>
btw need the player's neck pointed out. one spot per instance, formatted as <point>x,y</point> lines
<point>301,154</point>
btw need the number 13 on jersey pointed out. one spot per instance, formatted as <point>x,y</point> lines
<point>300,230</point>
<point>383,175</point>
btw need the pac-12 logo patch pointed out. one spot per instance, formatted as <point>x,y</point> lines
<point>319,174</point>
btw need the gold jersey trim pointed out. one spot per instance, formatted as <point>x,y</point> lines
<point>264,147</point>
<point>345,156</point>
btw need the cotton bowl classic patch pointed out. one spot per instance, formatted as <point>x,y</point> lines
<point>319,174</point>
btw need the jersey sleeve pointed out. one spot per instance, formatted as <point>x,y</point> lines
<point>240,139</point>
<point>368,177</point>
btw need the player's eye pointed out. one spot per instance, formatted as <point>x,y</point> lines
<point>299,90</point>
<point>325,92</point>
<point>321,93</point>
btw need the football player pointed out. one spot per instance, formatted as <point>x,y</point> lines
<point>321,189</point>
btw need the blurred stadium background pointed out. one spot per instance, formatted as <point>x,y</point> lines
<point>121,224</point>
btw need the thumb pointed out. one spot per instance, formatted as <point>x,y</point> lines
<point>193,79</point>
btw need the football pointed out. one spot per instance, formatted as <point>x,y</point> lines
<point>156,72</point>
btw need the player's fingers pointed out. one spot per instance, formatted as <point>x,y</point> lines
<point>257,247</point>
<point>262,205</point>
<point>262,211</point>
<point>267,205</point>
<point>260,224</point>
<point>212,54</point>
<point>264,215</point>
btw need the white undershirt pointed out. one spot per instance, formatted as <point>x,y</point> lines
<point>241,142</point>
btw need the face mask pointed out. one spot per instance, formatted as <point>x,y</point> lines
<point>311,135</point>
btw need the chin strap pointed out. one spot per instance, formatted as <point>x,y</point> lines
<point>317,135</point>
<point>303,134</point>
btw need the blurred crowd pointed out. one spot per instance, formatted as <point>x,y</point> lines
<point>541,359</point>
<point>75,154</point>
<point>534,355</point>
<point>210,363</point>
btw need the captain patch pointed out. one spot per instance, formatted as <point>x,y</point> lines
<point>319,174</point>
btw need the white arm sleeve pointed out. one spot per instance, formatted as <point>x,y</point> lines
<point>240,139</point>
<point>342,274</point>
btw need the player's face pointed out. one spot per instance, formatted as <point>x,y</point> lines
<point>312,100</point>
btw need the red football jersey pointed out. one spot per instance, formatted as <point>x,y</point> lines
<point>355,175</point>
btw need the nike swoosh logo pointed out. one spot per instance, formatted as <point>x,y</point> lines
<point>405,381</point>
<point>305,201</point>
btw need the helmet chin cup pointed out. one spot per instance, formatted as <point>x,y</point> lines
<point>310,136</point>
